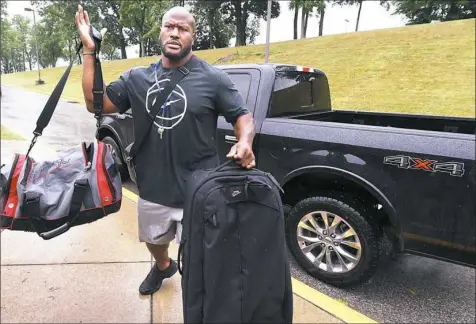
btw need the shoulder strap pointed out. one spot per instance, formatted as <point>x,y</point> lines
<point>52,102</point>
<point>142,132</point>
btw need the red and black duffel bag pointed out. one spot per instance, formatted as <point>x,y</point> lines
<point>81,185</point>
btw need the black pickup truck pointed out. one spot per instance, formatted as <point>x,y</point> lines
<point>351,177</point>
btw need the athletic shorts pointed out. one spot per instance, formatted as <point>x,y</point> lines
<point>158,224</point>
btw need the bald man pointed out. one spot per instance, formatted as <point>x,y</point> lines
<point>182,138</point>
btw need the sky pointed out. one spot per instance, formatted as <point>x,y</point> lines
<point>373,16</point>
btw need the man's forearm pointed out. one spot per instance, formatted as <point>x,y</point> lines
<point>245,129</point>
<point>88,81</point>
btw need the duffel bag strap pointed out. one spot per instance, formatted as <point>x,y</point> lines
<point>31,208</point>
<point>52,102</point>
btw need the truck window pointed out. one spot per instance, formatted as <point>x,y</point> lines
<point>297,92</point>
<point>242,82</point>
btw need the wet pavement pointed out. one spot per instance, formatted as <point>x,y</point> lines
<point>92,273</point>
<point>410,289</point>
<point>70,124</point>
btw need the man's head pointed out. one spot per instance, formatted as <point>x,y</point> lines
<point>177,33</point>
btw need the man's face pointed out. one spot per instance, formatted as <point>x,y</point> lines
<point>176,36</point>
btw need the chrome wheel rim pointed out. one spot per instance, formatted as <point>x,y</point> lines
<point>329,242</point>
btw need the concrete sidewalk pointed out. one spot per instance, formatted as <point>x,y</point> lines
<point>91,274</point>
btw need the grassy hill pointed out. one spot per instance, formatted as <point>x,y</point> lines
<point>421,69</point>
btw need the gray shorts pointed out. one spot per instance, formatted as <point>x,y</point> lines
<point>158,224</point>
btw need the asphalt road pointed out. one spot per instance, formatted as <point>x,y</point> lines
<point>410,289</point>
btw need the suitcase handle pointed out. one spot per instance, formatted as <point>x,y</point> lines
<point>55,232</point>
<point>227,163</point>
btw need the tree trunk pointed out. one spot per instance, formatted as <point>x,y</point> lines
<point>244,19</point>
<point>358,16</point>
<point>237,4</point>
<point>321,20</point>
<point>296,13</point>
<point>210,24</point>
<point>141,48</point>
<point>24,61</point>
<point>122,42</point>
<point>303,23</point>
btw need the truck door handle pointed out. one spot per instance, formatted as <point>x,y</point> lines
<point>229,138</point>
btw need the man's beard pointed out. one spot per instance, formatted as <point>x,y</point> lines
<point>176,57</point>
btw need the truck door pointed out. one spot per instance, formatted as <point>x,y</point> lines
<point>247,82</point>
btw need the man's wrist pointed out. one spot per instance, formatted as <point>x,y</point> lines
<point>245,141</point>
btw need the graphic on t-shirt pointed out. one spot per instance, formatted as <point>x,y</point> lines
<point>177,97</point>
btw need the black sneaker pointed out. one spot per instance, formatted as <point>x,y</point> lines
<point>154,279</point>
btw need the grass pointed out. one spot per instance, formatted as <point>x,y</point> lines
<point>7,134</point>
<point>420,69</point>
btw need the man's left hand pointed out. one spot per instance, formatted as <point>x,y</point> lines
<point>242,153</point>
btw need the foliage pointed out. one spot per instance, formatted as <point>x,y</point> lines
<point>143,20</point>
<point>131,23</point>
<point>212,31</point>
<point>110,10</point>
<point>57,29</point>
<point>427,11</point>
<point>238,12</point>
<point>307,8</point>
<point>422,69</point>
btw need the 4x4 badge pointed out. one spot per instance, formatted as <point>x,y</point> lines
<point>407,162</point>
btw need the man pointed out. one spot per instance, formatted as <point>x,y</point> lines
<point>182,138</point>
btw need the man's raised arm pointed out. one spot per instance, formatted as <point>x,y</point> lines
<point>83,25</point>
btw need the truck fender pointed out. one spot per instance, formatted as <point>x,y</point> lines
<point>374,191</point>
<point>104,128</point>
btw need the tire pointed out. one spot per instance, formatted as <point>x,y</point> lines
<point>122,167</point>
<point>353,215</point>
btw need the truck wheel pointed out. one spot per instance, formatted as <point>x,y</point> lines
<point>122,167</point>
<point>331,239</point>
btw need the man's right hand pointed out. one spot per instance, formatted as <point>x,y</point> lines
<point>83,25</point>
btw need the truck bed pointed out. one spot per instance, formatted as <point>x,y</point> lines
<point>420,122</point>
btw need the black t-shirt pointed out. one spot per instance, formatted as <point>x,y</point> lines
<point>187,123</point>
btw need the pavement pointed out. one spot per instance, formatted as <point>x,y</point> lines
<point>410,289</point>
<point>91,274</point>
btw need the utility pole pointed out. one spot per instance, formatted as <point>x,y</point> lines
<point>268,27</point>
<point>39,81</point>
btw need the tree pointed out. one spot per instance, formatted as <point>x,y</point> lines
<point>211,29</point>
<point>239,11</point>
<point>143,20</point>
<point>111,11</point>
<point>60,16</point>
<point>307,9</point>
<point>427,11</point>
<point>50,43</point>
<point>294,5</point>
<point>109,50</point>
<point>352,3</point>
<point>322,10</point>
<point>21,24</point>
<point>3,9</point>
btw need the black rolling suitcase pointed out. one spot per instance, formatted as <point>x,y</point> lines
<point>232,256</point>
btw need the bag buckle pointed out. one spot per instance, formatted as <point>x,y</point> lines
<point>184,70</point>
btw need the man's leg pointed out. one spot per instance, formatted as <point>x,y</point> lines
<point>160,254</point>
<point>157,227</point>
